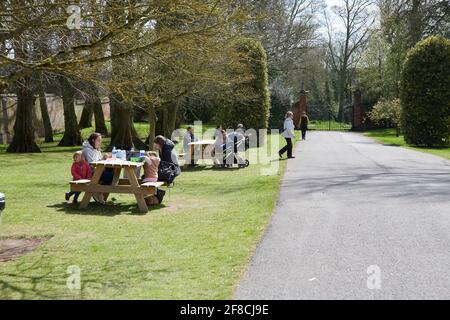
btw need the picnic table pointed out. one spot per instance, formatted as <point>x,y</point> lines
<point>207,147</point>
<point>130,185</point>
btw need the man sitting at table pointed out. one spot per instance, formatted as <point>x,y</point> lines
<point>189,137</point>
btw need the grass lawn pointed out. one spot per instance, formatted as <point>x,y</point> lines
<point>388,136</point>
<point>195,246</point>
<point>328,125</point>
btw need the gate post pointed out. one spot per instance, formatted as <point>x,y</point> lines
<point>358,111</point>
<point>299,107</point>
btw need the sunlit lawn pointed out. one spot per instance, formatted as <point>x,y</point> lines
<point>195,246</point>
<point>388,136</point>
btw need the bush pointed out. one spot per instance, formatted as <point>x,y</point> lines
<point>425,93</point>
<point>253,107</point>
<point>387,113</point>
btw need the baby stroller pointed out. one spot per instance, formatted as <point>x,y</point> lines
<point>231,154</point>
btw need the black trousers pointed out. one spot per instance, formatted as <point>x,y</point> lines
<point>304,134</point>
<point>76,194</point>
<point>287,148</point>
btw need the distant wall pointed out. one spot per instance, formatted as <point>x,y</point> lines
<point>8,107</point>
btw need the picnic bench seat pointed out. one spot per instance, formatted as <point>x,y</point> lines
<point>152,184</point>
<point>84,181</point>
<point>126,182</point>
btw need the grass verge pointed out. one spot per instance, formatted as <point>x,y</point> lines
<point>389,137</point>
<point>195,246</point>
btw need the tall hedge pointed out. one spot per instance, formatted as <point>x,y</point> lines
<point>425,93</point>
<point>251,103</point>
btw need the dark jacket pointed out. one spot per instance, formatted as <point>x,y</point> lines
<point>167,154</point>
<point>304,121</point>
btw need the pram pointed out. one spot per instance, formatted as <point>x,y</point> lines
<point>231,153</point>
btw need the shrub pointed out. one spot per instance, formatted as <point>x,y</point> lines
<point>252,108</point>
<point>425,93</point>
<point>387,113</point>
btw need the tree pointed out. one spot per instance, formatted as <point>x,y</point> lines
<point>344,49</point>
<point>24,133</point>
<point>280,105</point>
<point>288,30</point>
<point>253,106</point>
<point>45,116</point>
<point>86,115</point>
<point>72,134</point>
<point>425,94</point>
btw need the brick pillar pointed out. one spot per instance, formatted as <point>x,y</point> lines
<point>299,107</point>
<point>358,111</point>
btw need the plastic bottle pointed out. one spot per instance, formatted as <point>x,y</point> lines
<point>114,153</point>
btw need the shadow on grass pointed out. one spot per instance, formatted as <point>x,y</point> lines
<point>109,210</point>
<point>201,168</point>
<point>40,278</point>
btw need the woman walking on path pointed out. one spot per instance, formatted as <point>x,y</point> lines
<point>288,134</point>
<point>304,121</point>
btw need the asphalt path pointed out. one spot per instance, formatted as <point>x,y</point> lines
<point>356,220</point>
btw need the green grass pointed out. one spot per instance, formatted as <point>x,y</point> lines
<point>328,125</point>
<point>195,246</point>
<point>389,137</point>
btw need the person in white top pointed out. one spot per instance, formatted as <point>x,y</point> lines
<point>288,134</point>
<point>189,137</point>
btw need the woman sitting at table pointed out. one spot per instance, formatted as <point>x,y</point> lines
<point>92,153</point>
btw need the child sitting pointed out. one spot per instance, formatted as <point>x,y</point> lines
<point>80,170</point>
<point>151,165</point>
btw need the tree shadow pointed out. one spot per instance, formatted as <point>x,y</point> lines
<point>109,210</point>
<point>201,168</point>
<point>42,279</point>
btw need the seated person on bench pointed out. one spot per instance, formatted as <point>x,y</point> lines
<point>81,170</point>
<point>151,165</point>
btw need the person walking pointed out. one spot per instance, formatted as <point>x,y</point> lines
<point>288,134</point>
<point>304,122</point>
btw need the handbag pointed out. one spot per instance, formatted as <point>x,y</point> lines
<point>167,172</point>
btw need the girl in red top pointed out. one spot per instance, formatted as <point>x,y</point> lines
<point>80,170</point>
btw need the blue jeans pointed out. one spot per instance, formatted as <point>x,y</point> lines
<point>107,177</point>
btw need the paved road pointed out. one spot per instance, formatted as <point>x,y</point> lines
<point>348,203</point>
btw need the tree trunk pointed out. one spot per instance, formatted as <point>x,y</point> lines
<point>159,126</point>
<point>100,125</point>
<point>72,134</point>
<point>45,116</point>
<point>121,132</point>
<point>415,23</point>
<point>171,118</point>
<point>137,142</point>
<point>152,119</point>
<point>87,114</point>
<point>24,133</point>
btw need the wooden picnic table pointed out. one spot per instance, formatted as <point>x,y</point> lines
<point>131,185</point>
<point>207,148</point>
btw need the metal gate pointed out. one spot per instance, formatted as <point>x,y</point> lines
<point>330,124</point>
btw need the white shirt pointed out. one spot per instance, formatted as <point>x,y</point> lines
<point>289,129</point>
<point>187,140</point>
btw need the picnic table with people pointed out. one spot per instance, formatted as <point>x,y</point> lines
<point>98,175</point>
